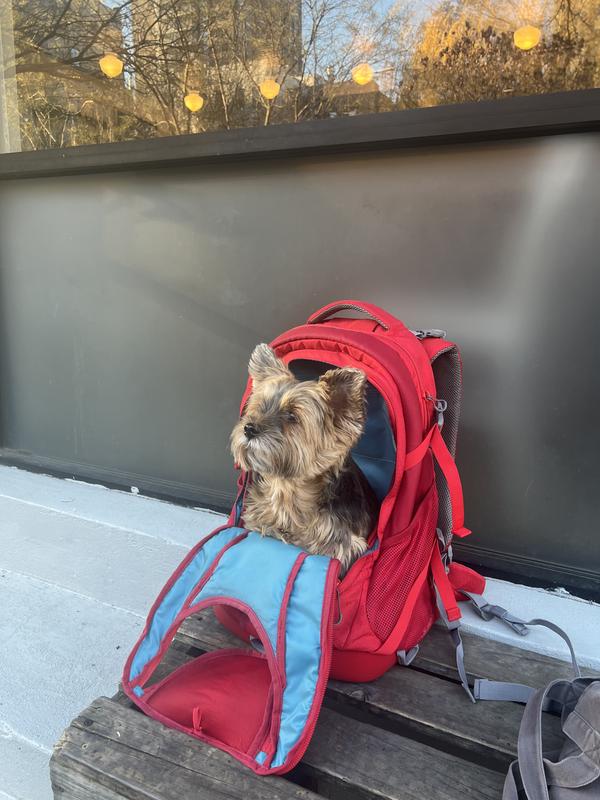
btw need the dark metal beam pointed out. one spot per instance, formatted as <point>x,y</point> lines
<point>564,112</point>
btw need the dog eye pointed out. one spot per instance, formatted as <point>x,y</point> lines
<point>290,416</point>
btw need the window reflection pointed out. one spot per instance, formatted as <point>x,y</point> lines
<point>83,71</point>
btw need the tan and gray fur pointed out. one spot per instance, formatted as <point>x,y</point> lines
<point>295,438</point>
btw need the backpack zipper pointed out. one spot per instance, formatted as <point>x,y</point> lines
<point>429,333</point>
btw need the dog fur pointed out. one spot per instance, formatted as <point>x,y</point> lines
<point>295,437</point>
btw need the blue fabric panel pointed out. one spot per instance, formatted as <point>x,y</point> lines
<point>255,572</point>
<point>138,690</point>
<point>302,652</point>
<point>173,601</point>
<point>375,452</point>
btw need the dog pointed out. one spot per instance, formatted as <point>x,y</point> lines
<point>295,437</point>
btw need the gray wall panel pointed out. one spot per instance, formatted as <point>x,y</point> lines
<point>130,303</point>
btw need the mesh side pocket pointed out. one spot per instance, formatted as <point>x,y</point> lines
<point>403,556</point>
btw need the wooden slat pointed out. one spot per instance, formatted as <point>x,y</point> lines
<point>378,763</point>
<point>485,658</point>
<point>115,752</point>
<point>409,702</point>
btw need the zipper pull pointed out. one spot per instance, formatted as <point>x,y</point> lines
<point>440,407</point>
<point>430,333</point>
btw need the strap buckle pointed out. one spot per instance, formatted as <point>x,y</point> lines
<point>487,611</point>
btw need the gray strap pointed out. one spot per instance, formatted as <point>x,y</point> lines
<point>499,690</point>
<point>496,690</point>
<point>460,661</point>
<point>564,636</point>
<point>487,611</point>
<point>406,657</point>
<point>529,749</point>
<point>512,783</point>
<point>453,630</point>
<point>513,692</point>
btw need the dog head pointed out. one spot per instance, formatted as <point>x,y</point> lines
<point>298,429</point>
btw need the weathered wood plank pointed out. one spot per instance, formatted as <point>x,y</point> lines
<point>408,702</point>
<point>485,658</point>
<point>382,764</point>
<point>111,751</point>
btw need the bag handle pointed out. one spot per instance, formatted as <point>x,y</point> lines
<point>378,315</point>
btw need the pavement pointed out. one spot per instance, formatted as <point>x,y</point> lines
<point>80,566</point>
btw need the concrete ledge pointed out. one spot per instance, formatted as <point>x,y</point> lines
<point>580,619</point>
<point>180,526</point>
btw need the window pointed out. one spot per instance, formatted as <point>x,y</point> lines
<point>80,72</point>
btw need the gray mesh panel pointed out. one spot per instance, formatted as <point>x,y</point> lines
<point>448,383</point>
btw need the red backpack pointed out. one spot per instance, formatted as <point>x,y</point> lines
<point>392,595</point>
<point>304,623</point>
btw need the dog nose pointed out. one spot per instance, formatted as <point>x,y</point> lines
<point>251,430</point>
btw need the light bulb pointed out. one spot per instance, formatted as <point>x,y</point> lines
<point>269,89</point>
<point>527,37</point>
<point>193,101</point>
<point>111,65</point>
<point>362,74</point>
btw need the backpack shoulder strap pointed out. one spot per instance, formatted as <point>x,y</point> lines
<point>446,365</point>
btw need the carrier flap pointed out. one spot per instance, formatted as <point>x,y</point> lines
<point>260,704</point>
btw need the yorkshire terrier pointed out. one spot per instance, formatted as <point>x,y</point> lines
<point>295,437</point>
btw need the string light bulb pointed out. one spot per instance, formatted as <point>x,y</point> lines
<point>111,65</point>
<point>269,89</point>
<point>362,74</point>
<point>527,37</point>
<point>193,101</point>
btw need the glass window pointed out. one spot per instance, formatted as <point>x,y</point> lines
<point>90,71</point>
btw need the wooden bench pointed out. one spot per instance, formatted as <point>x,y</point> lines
<point>411,734</point>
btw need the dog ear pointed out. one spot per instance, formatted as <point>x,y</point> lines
<point>346,392</point>
<point>265,365</point>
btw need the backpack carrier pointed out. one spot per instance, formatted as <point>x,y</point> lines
<point>391,596</point>
<point>304,623</point>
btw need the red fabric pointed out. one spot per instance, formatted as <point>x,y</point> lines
<point>228,692</point>
<point>448,467</point>
<point>462,577</point>
<point>360,666</point>
<point>418,454</point>
<point>235,621</point>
